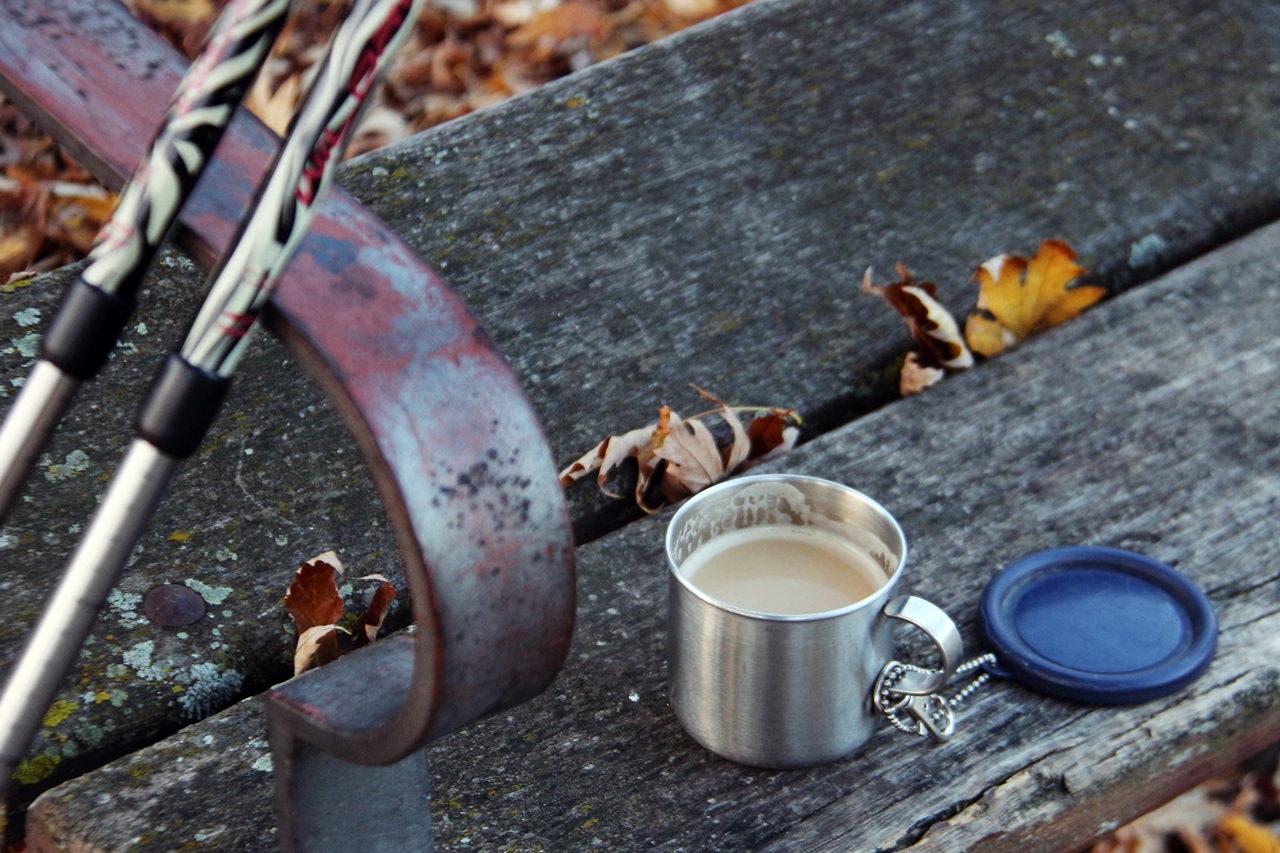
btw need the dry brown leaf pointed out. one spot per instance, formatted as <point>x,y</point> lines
<point>608,454</point>
<point>50,211</point>
<point>376,613</point>
<point>772,433</point>
<point>932,326</point>
<point>679,457</point>
<point>17,249</point>
<point>176,13</point>
<point>515,13</point>
<point>1019,297</point>
<point>696,9</point>
<point>313,597</point>
<point>917,376</point>
<point>1226,814</point>
<point>317,646</point>
<point>563,29</point>
<point>693,459</point>
<point>316,606</point>
<point>274,102</point>
<point>183,22</point>
<point>462,57</point>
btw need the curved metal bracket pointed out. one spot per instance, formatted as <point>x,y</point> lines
<point>452,442</point>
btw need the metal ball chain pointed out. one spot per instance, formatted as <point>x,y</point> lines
<point>966,668</point>
<point>925,715</point>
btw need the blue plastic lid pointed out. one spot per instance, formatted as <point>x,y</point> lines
<point>1098,625</point>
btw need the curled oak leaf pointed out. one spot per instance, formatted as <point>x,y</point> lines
<point>316,647</point>
<point>917,376</point>
<point>772,433</point>
<point>678,457</point>
<point>313,597</point>
<point>1018,297</point>
<point>376,613</point>
<point>608,454</point>
<point>316,606</point>
<point>932,326</point>
<point>694,461</point>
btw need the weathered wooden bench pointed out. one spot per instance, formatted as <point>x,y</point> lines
<point>701,211</point>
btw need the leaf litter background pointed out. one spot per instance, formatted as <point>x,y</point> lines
<point>466,55</point>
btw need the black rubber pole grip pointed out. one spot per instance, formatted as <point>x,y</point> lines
<point>183,402</point>
<point>85,330</point>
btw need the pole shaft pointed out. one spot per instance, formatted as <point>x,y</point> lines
<point>84,331</point>
<point>67,619</point>
<point>40,404</point>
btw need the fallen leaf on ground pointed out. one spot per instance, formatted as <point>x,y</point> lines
<point>694,461</point>
<point>1229,814</point>
<point>1019,297</point>
<point>50,209</point>
<point>678,457</point>
<point>1249,836</point>
<point>773,431</point>
<point>463,55</point>
<point>375,614</point>
<point>608,454</point>
<point>185,22</point>
<point>570,27</point>
<point>317,646</point>
<point>932,327</point>
<point>316,606</point>
<point>313,597</point>
<point>274,103</point>
<point>916,376</point>
<point>693,8</point>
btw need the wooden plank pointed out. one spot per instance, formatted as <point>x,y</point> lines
<point>1146,424</point>
<point>698,211</point>
<point>703,210</point>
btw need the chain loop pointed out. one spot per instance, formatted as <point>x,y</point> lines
<point>930,715</point>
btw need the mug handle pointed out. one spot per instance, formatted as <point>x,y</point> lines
<point>930,618</point>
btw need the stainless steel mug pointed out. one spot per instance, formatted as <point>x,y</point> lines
<point>790,689</point>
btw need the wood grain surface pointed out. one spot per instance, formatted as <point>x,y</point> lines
<point>1163,441</point>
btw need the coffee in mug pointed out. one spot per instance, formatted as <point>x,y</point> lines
<point>783,570</point>
<point>780,619</point>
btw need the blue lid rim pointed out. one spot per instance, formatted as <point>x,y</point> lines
<point>999,632</point>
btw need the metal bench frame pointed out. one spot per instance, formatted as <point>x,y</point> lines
<point>453,444</point>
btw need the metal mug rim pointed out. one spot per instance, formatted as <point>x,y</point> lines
<point>881,594</point>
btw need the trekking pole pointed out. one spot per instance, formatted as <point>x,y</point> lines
<point>96,307</point>
<point>193,381</point>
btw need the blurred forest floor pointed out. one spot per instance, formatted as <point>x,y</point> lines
<point>464,55</point>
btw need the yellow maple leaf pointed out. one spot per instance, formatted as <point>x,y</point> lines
<point>1019,297</point>
<point>1249,836</point>
<point>177,12</point>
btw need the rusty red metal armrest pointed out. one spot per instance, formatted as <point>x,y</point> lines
<point>453,444</point>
